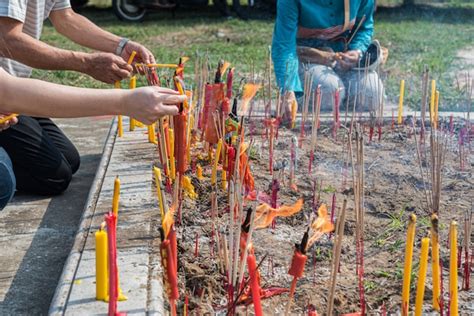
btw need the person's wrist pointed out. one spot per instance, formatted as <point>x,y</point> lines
<point>121,46</point>
<point>80,61</point>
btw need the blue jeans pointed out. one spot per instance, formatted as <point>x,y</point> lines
<point>351,84</point>
<point>7,179</point>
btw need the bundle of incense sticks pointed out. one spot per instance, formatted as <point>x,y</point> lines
<point>358,183</point>
<point>467,265</point>
<point>308,84</point>
<point>336,250</point>
<point>315,124</point>
<point>432,172</point>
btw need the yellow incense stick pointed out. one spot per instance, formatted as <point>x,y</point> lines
<point>119,120</point>
<point>132,85</point>
<point>400,101</point>
<point>436,109</point>
<point>116,198</point>
<point>408,265</point>
<point>152,134</point>
<point>453,269</point>
<point>216,162</point>
<point>157,65</point>
<point>432,100</point>
<point>171,154</point>
<point>435,261</point>
<point>157,173</point>
<point>7,118</point>
<point>420,287</point>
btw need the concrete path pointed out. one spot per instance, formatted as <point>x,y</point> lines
<point>37,233</point>
<point>137,235</point>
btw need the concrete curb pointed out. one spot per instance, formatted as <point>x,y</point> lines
<point>63,289</point>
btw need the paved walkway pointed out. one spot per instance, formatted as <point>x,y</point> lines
<point>137,234</point>
<point>36,233</point>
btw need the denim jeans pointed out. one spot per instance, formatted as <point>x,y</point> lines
<point>355,81</point>
<point>7,179</point>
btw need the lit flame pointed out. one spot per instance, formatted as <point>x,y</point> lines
<point>265,213</point>
<point>224,67</point>
<point>250,90</point>
<point>320,225</point>
<point>168,220</point>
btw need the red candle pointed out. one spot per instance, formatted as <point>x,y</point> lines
<point>254,286</point>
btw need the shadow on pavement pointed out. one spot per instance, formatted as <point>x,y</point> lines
<point>35,281</point>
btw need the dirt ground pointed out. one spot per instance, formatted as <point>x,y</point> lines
<point>393,190</point>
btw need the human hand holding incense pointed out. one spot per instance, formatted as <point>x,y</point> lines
<point>146,104</point>
<point>286,104</point>
<point>7,120</point>
<point>349,59</point>
<point>143,54</point>
<point>106,67</point>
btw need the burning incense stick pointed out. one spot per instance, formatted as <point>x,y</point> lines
<point>336,257</point>
<point>453,269</point>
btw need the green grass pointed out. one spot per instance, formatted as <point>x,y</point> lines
<point>415,37</point>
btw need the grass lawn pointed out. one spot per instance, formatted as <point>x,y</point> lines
<point>415,37</point>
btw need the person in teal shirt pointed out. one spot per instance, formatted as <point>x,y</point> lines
<point>326,38</point>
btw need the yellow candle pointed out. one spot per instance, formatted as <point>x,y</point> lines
<point>435,261</point>
<point>171,155</point>
<point>453,269</point>
<point>216,161</point>
<point>436,109</point>
<point>159,194</point>
<point>432,100</point>
<point>224,180</point>
<point>420,287</point>
<point>101,278</point>
<point>133,85</point>
<point>400,101</point>
<point>408,264</point>
<point>152,134</point>
<point>199,172</point>
<point>116,198</point>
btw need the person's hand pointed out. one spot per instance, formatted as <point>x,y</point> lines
<point>147,104</point>
<point>107,67</point>
<point>286,104</point>
<point>8,123</point>
<point>349,59</point>
<point>143,54</point>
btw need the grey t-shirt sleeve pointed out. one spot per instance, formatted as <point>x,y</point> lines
<point>60,5</point>
<point>15,9</point>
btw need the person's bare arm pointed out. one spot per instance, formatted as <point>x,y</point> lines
<point>38,98</point>
<point>21,47</point>
<point>82,31</point>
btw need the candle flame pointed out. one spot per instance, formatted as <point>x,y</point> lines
<point>265,213</point>
<point>250,90</point>
<point>320,225</point>
<point>224,67</point>
<point>168,221</point>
